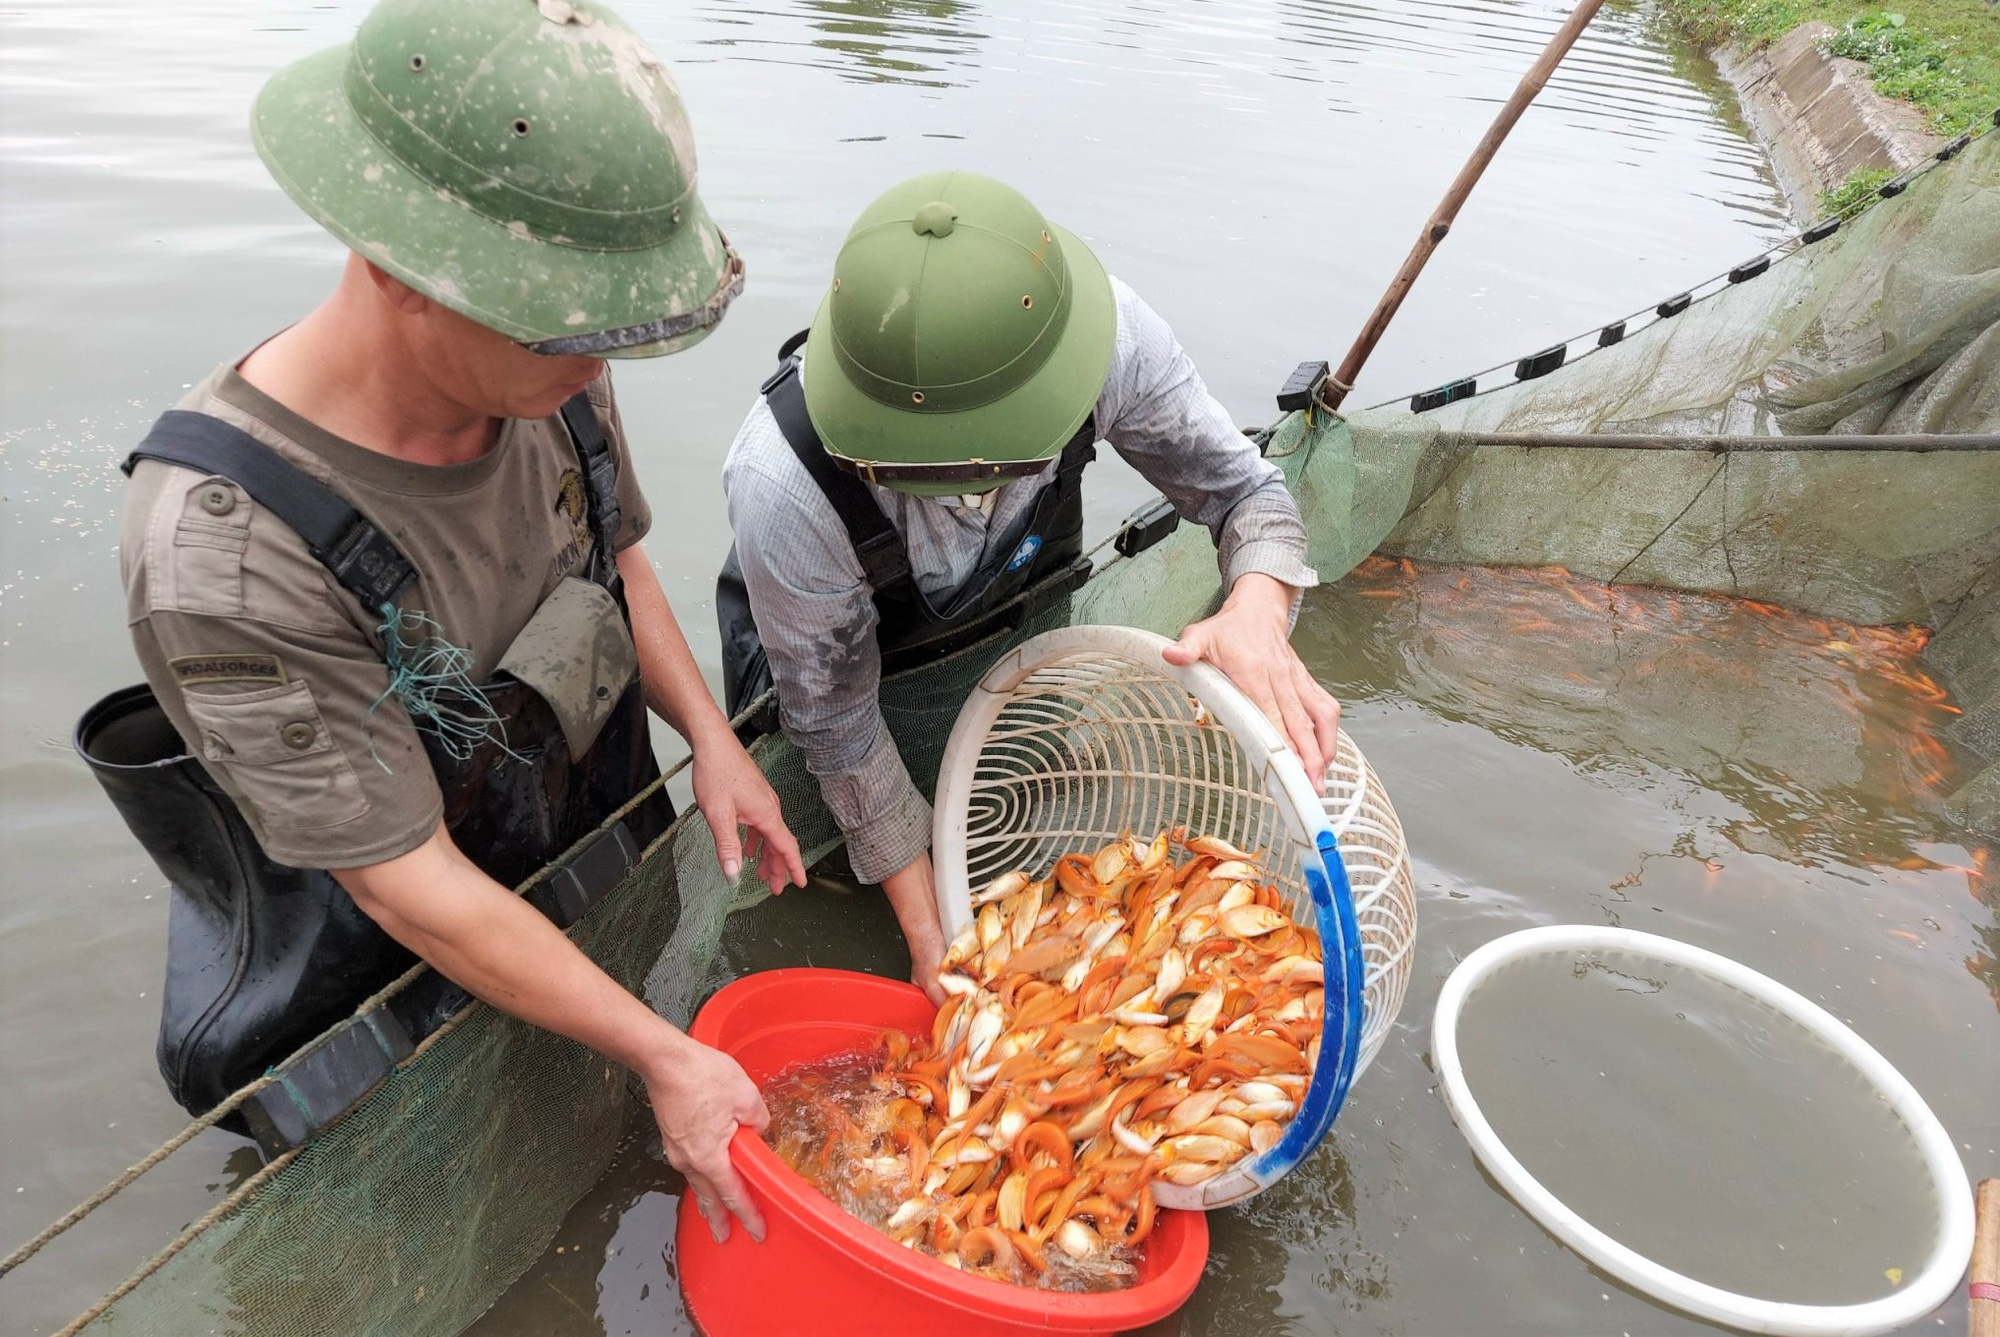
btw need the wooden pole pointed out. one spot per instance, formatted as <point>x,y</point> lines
<point>1342,381</point>
<point>1982,1311</point>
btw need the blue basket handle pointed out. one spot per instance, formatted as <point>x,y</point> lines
<point>1346,994</point>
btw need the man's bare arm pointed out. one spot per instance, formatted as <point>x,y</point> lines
<point>673,682</point>
<point>487,940</point>
<point>731,790</point>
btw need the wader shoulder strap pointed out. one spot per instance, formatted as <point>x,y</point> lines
<point>884,559</point>
<point>1080,450</point>
<point>365,561</point>
<point>361,557</point>
<point>600,482</point>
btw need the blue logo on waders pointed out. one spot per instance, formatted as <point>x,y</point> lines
<point>1025,553</point>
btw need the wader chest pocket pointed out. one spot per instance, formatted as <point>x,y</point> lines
<point>276,750</point>
<point>578,656</point>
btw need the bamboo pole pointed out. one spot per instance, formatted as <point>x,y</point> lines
<point>1531,83</point>
<point>1982,1310</point>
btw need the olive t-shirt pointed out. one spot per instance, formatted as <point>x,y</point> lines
<point>275,675</point>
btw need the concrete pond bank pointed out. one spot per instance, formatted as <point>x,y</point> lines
<point>1819,117</point>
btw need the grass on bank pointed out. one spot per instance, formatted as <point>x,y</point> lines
<point>1942,56</point>
<point>1860,184</point>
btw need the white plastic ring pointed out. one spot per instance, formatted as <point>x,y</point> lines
<point>1928,1289</point>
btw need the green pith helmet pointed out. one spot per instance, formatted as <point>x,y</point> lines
<point>526,163</point>
<point>964,340</point>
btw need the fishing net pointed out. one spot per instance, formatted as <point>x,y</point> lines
<point>413,1213</point>
<point>1891,325</point>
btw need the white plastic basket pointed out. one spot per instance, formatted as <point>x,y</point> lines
<point>1086,733</point>
<point>1930,1287</point>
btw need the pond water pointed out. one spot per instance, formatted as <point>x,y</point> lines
<point>1256,170</point>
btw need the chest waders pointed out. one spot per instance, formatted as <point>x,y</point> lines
<point>262,958</point>
<point>1042,561</point>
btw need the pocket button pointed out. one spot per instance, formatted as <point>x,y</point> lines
<point>217,499</point>
<point>298,735</point>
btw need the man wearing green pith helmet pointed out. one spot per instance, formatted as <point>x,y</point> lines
<point>907,483</point>
<point>384,575</point>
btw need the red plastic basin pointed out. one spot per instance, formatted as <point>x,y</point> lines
<point>821,1271</point>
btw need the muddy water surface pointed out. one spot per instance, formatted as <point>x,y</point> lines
<point>1256,170</point>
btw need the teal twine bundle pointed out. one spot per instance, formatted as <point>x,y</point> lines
<point>432,679</point>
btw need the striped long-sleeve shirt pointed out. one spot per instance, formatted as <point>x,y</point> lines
<point>815,610</point>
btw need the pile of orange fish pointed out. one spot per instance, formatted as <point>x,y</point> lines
<point>1128,1018</point>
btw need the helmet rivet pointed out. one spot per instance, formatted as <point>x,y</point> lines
<point>677,213</point>
<point>836,285</point>
<point>520,125</point>
<point>416,62</point>
<point>916,396</point>
<point>1027,302</point>
<point>1046,236</point>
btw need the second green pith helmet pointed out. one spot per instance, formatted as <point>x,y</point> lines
<point>526,163</point>
<point>964,340</point>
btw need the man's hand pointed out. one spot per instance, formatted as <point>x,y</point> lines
<point>699,1097</point>
<point>912,893</point>
<point>743,813</point>
<point>1247,639</point>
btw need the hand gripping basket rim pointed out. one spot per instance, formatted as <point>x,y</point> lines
<point>1283,776</point>
<point>1928,1289</point>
